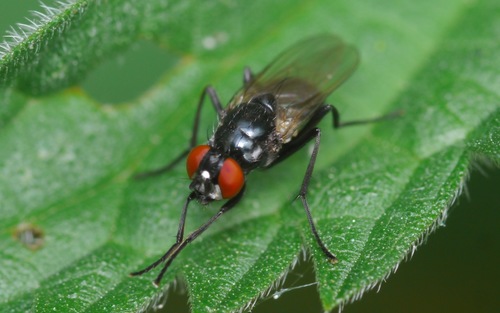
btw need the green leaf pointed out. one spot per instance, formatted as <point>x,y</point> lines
<point>66,161</point>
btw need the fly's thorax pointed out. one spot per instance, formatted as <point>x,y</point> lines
<point>248,133</point>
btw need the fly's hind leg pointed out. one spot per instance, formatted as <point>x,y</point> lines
<point>338,124</point>
<point>192,143</point>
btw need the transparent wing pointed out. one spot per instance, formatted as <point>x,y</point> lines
<point>301,78</point>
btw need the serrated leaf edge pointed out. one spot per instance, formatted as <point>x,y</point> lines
<point>439,222</point>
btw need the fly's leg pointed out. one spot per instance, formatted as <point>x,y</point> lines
<point>180,236</point>
<point>338,124</point>
<point>316,134</point>
<point>309,132</point>
<point>220,113</point>
<point>181,244</point>
<point>325,109</point>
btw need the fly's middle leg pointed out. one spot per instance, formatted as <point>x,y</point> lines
<point>314,133</point>
<point>194,136</point>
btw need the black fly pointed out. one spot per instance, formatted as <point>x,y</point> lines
<point>270,118</point>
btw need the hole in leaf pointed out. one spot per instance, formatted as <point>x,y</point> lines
<point>29,235</point>
<point>129,74</point>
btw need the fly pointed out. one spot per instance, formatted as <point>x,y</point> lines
<point>275,114</point>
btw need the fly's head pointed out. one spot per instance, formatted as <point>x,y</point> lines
<point>214,177</point>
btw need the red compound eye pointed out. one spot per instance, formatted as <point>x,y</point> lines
<point>194,159</point>
<point>231,178</point>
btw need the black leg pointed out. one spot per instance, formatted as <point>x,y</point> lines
<point>215,102</point>
<point>304,136</point>
<point>325,109</point>
<point>220,113</point>
<point>180,236</point>
<point>309,132</point>
<point>314,133</point>
<point>178,247</point>
<point>291,148</point>
<point>338,124</point>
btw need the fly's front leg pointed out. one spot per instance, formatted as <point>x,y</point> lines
<point>179,238</point>
<point>194,136</point>
<point>181,244</point>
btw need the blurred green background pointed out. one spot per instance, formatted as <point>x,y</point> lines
<point>457,270</point>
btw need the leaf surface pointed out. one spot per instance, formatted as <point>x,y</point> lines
<point>66,161</point>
